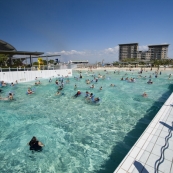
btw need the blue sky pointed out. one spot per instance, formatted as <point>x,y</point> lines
<point>85,29</point>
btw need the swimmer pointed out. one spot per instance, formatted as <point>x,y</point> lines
<point>144,94</point>
<point>92,86</point>
<point>75,86</point>
<point>12,84</point>
<point>101,88</point>
<point>50,80</point>
<point>170,76</point>
<point>77,94</point>
<point>87,94</point>
<point>96,99</point>
<point>132,79</point>
<point>150,82</point>
<point>60,88</point>
<point>90,97</point>
<point>99,76</point>
<point>56,82</point>
<point>37,83</point>
<point>30,91</point>
<point>112,85</point>
<point>10,96</point>
<point>3,83</point>
<point>58,93</point>
<point>35,145</point>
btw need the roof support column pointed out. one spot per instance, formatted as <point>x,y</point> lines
<point>47,60</point>
<point>30,61</point>
<point>10,60</point>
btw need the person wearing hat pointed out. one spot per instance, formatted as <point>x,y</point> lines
<point>77,94</point>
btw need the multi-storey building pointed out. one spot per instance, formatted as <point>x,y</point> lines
<point>158,51</point>
<point>154,51</point>
<point>145,55</point>
<point>128,51</point>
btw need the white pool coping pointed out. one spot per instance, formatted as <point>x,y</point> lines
<point>155,143</point>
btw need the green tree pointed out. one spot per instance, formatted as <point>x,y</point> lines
<point>44,62</point>
<point>51,61</point>
<point>17,62</point>
<point>35,63</point>
<point>129,59</point>
<point>3,60</point>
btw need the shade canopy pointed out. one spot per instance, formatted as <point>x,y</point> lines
<point>8,49</point>
<point>20,52</point>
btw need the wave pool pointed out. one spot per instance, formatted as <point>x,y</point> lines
<point>79,137</point>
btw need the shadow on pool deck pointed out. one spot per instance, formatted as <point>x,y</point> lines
<point>122,148</point>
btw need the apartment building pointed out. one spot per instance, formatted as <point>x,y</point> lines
<point>128,51</point>
<point>143,55</point>
<point>154,51</point>
<point>158,51</point>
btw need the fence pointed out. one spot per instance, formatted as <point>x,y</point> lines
<point>42,67</point>
<point>25,76</point>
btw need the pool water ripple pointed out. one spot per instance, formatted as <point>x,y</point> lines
<point>78,136</point>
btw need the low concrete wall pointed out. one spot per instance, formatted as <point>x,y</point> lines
<point>25,76</point>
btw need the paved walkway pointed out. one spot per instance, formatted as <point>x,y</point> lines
<point>153,152</point>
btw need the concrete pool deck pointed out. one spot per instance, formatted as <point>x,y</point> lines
<point>153,151</point>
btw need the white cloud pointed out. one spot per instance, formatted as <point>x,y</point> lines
<point>143,48</point>
<point>113,50</point>
<point>71,52</point>
<point>109,54</point>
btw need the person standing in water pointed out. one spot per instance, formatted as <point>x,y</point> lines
<point>35,145</point>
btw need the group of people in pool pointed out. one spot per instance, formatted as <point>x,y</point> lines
<point>129,79</point>
<point>155,75</point>
<point>88,96</point>
<point>37,83</point>
<point>3,84</point>
<point>10,95</point>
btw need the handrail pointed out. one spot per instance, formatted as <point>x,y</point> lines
<point>43,67</point>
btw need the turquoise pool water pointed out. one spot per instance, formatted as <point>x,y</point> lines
<point>78,136</point>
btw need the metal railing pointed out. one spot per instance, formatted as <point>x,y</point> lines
<point>42,67</point>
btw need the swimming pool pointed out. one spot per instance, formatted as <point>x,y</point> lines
<point>78,136</point>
